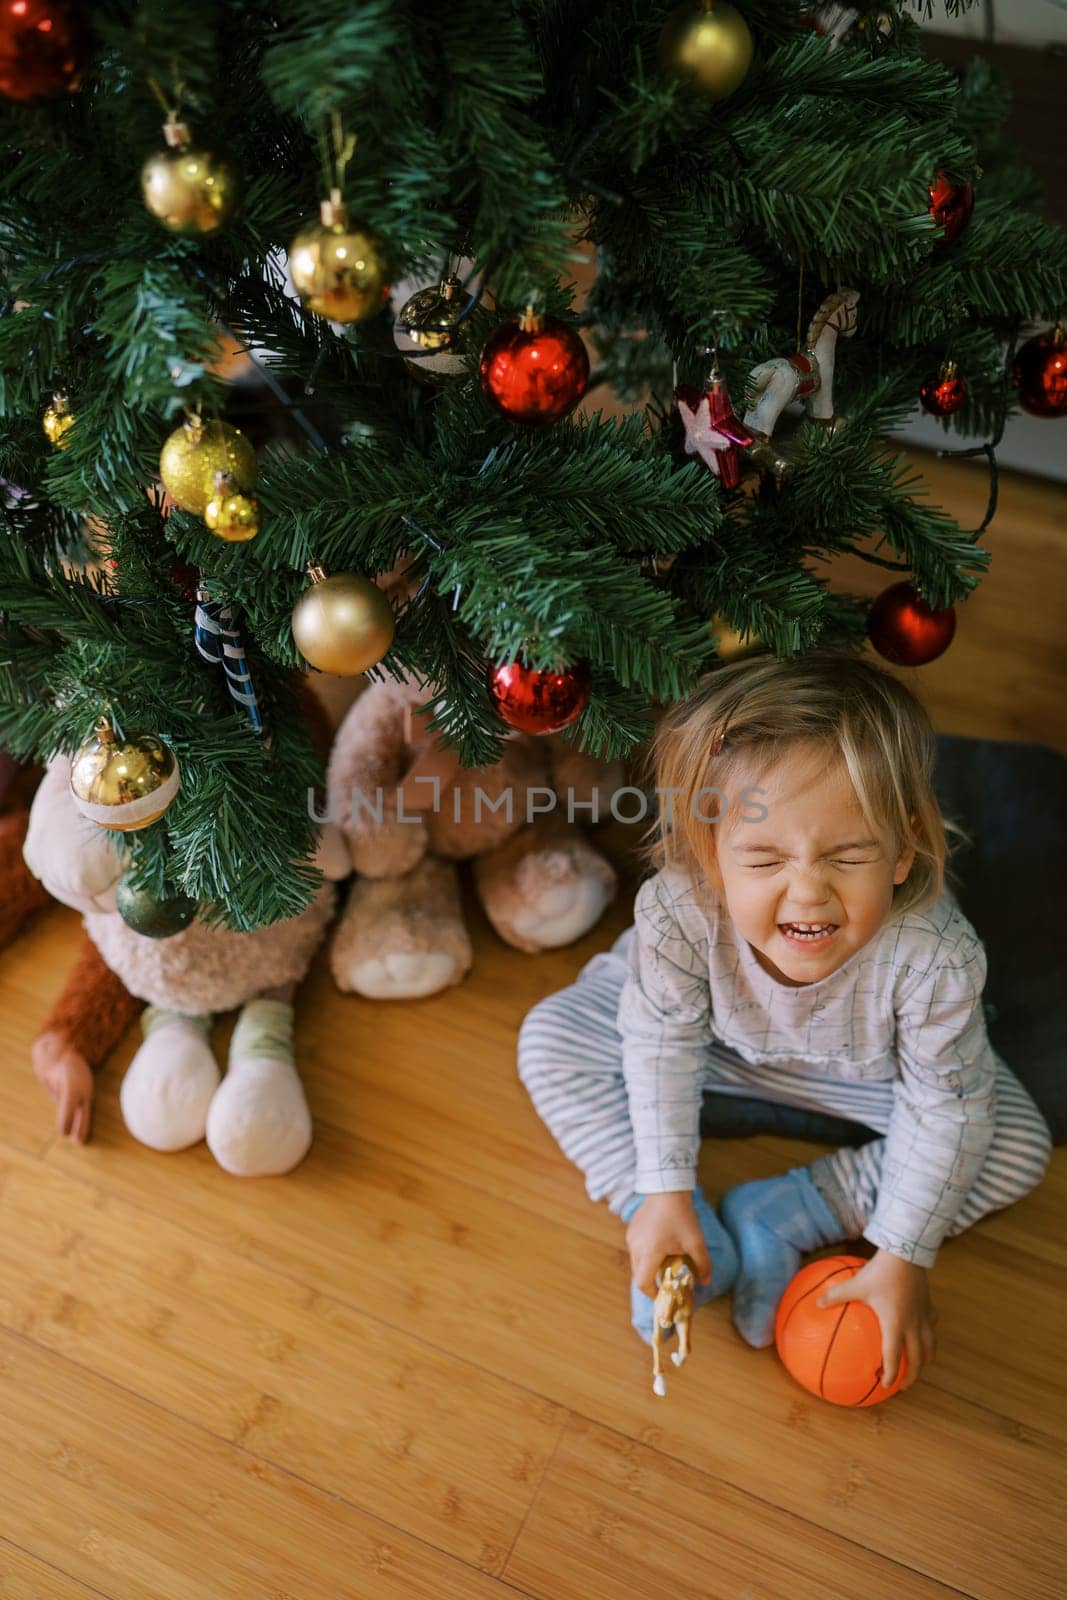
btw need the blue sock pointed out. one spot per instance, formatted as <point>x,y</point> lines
<point>772,1221</point>
<point>723,1263</point>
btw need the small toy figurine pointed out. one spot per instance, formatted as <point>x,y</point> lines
<point>672,1308</point>
<point>807,375</point>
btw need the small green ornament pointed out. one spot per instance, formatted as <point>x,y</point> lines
<point>154,919</point>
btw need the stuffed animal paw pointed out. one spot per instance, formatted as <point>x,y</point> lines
<point>258,1124</point>
<point>68,1078</point>
<point>170,1082</point>
<point>544,888</point>
<point>402,938</point>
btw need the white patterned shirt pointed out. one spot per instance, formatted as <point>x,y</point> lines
<point>905,1008</point>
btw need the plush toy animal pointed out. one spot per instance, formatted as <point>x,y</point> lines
<point>256,1119</point>
<point>411,813</point>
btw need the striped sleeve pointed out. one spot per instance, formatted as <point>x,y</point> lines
<point>941,1125</point>
<point>664,1019</point>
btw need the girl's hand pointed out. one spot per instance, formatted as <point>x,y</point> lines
<point>665,1225</point>
<point>898,1293</point>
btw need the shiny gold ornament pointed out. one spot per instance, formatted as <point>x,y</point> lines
<point>195,452</point>
<point>339,270</point>
<point>123,784</point>
<point>343,624</point>
<point>427,322</point>
<point>707,44</point>
<point>57,422</point>
<point>729,644</point>
<point>190,189</point>
<point>229,514</point>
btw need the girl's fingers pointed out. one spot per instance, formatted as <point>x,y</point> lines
<point>645,1277</point>
<point>912,1345</point>
<point>891,1346</point>
<point>698,1253</point>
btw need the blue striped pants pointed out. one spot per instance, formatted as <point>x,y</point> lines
<point>570,1060</point>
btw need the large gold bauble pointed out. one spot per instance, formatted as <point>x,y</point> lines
<point>57,422</point>
<point>707,44</point>
<point>343,624</point>
<point>123,784</point>
<point>231,515</point>
<point>190,190</point>
<point>427,322</point>
<point>195,452</point>
<point>338,269</point>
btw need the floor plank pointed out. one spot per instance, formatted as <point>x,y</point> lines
<point>137,1505</point>
<point>23,1577</point>
<point>425,1441</point>
<point>617,1521</point>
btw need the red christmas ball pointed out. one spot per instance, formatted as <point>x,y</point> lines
<point>904,629</point>
<point>44,48</point>
<point>944,393</point>
<point>539,702</point>
<point>951,205</point>
<point>534,369</point>
<point>1040,374</point>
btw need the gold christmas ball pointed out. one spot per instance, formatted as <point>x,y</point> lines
<point>190,190</point>
<point>195,452</point>
<point>729,644</point>
<point>707,44</point>
<point>123,784</point>
<point>231,515</point>
<point>343,624</point>
<point>57,422</point>
<point>338,269</point>
<point>427,324</point>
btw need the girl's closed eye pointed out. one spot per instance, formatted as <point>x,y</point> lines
<point>760,866</point>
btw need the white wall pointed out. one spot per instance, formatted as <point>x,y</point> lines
<point>1030,444</point>
<point>1036,23</point>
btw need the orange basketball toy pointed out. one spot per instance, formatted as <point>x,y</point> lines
<point>834,1351</point>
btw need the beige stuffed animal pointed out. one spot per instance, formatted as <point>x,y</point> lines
<point>411,813</point>
<point>255,1119</point>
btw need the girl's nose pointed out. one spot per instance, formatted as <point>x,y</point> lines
<point>808,887</point>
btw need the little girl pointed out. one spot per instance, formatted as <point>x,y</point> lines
<point>798,943</point>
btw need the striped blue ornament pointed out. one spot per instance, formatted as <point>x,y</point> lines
<point>218,640</point>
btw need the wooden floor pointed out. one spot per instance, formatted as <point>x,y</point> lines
<point>405,1371</point>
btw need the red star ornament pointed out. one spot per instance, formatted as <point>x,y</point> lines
<point>712,431</point>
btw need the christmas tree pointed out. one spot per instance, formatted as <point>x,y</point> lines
<point>767,188</point>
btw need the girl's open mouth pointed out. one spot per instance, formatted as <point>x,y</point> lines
<point>812,934</point>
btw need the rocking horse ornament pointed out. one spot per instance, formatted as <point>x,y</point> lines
<point>807,376</point>
<point>672,1308</point>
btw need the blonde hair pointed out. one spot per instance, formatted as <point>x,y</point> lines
<point>745,716</point>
